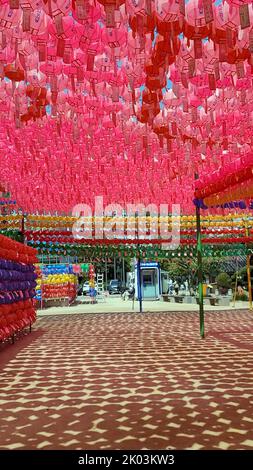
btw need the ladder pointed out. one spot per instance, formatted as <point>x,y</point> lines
<point>100,287</point>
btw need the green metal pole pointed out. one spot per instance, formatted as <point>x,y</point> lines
<point>249,270</point>
<point>200,274</point>
<point>23,229</point>
<point>139,283</point>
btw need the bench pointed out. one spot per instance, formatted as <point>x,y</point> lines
<point>222,301</point>
<point>171,298</point>
<point>211,301</point>
<point>188,299</point>
<point>54,302</point>
<point>179,298</point>
<point>87,299</point>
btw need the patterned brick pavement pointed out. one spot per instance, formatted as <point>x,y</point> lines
<point>129,381</point>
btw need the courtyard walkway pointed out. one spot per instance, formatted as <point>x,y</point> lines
<point>129,381</point>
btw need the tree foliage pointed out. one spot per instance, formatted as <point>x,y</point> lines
<point>182,269</point>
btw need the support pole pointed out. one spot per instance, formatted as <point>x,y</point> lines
<point>139,283</point>
<point>106,280</point>
<point>114,268</point>
<point>248,268</point>
<point>200,274</point>
<point>249,281</point>
<point>23,229</point>
<point>123,272</point>
<point>236,281</point>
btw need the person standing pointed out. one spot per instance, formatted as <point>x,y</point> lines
<point>170,287</point>
<point>176,287</point>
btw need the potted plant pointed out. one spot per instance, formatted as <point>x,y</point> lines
<point>224,283</point>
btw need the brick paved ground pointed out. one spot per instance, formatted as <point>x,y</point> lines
<point>129,381</point>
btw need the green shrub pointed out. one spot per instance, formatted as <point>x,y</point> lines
<point>243,297</point>
<point>224,280</point>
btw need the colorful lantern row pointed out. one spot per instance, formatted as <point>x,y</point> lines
<point>17,287</point>
<point>56,281</point>
<point>149,252</point>
<point>15,251</point>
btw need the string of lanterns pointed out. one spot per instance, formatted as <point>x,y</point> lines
<point>142,94</point>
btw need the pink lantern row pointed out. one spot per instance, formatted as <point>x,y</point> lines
<point>142,94</point>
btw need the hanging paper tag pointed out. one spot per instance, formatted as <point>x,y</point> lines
<point>229,36</point>
<point>42,51</point>
<point>194,114</point>
<point>223,52</point>
<point>160,137</point>
<point>235,148</point>
<point>175,89</point>
<point>225,144</point>
<point>22,61</point>
<point>251,40</point>
<point>203,148</point>
<point>133,96</point>
<point>240,69</point>
<point>224,128</point>
<point>54,95</point>
<point>80,74</point>
<point>185,106</point>
<point>75,132</point>
<point>208,128</point>
<point>14,4</point>
<point>208,10</point>
<point>142,40</point>
<point>168,43</point>
<point>53,83</point>
<point>17,122</point>
<point>191,67</point>
<point>115,94</point>
<point>90,62</point>
<point>217,70</point>
<point>26,19</point>
<point>184,80</point>
<point>93,88</point>
<point>110,18</point>
<point>54,113</point>
<point>197,48</point>
<point>4,43</point>
<point>211,81</point>
<point>60,47</point>
<point>139,25</point>
<point>82,9</point>
<point>182,7</point>
<point>58,24</point>
<point>148,7</point>
<point>243,97</point>
<point>67,55</point>
<point>173,128</point>
<point>169,145</point>
<point>244,15</point>
<point>49,7</point>
<point>145,141</point>
<point>206,106</point>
